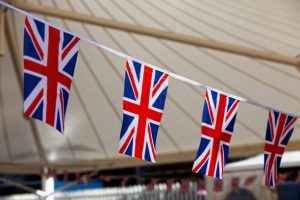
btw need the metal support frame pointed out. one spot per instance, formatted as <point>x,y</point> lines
<point>115,163</point>
<point>16,64</point>
<point>68,185</point>
<point>2,29</point>
<point>17,185</point>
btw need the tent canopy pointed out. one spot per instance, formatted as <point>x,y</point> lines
<point>289,159</point>
<point>94,114</point>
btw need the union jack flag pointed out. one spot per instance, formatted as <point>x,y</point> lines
<point>145,92</point>
<point>218,119</point>
<point>49,63</point>
<point>279,130</point>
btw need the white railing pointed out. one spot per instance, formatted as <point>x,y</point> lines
<point>137,192</point>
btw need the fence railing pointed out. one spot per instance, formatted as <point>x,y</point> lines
<point>137,192</point>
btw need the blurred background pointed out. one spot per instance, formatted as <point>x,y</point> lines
<point>37,162</point>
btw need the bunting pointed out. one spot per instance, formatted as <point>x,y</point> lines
<point>279,130</point>
<point>235,184</point>
<point>184,186</point>
<point>169,184</point>
<point>218,119</point>
<point>201,187</point>
<point>49,63</point>
<point>50,55</point>
<point>144,97</point>
<point>250,180</point>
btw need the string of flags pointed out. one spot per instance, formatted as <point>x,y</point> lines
<point>279,130</point>
<point>49,63</point>
<point>218,120</point>
<point>145,92</point>
<point>50,55</point>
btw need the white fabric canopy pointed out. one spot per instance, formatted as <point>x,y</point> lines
<point>289,159</point>
<point>94,114</point>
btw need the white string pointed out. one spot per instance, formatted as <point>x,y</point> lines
<point>128,57</point>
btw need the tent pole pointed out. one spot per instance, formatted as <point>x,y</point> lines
<point>17,67</point>
<point>47,184</point>
<point>2,13</point>
<point>17,185</point>
<point>298,62</point>
<point>274,57</point>
<point>68,185</point>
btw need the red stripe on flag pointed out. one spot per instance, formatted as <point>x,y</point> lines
<point>209,107</point>
<point>195,169</point>
<point>62,107</point>
<point>124,146</point>
<point>35,41</point>
<point>34,104</point>
<point>290,124</point>
<point>161,81</point>
<point>132,80</point>
<point>69,47</point>
<point>232,109</point>
<point>271,124</point>
<point>222,159</point>
<point>151,142</point>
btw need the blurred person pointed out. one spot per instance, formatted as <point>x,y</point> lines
<point>298,177</point>
<point>289,190</point>
<point>282,178</point>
